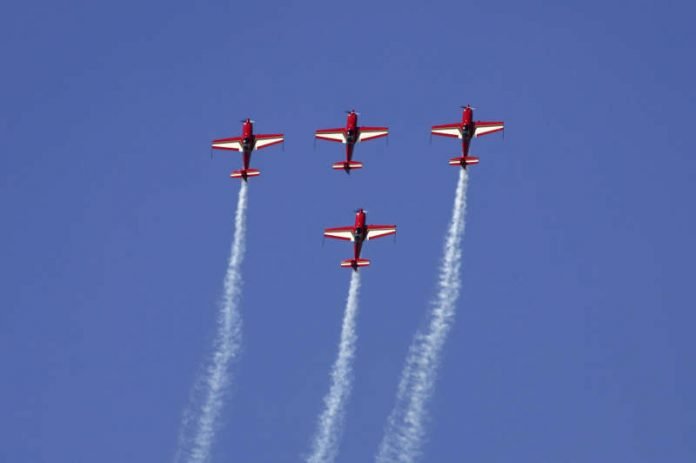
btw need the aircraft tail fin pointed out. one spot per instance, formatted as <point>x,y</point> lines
<point>245,173</point>
<point>347,166</point>
<point>354,264</point>
<point>464,161</point>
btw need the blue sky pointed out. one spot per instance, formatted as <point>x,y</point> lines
<point>573,339</point>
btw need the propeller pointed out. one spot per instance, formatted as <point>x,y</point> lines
<point>349,111</point>
<point>467,106</point>
<point>250,120</point>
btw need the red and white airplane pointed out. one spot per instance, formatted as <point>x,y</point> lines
<point>358,233</point>
<point>466,130</point>
<point>349,136</point>
<point>247,143</point>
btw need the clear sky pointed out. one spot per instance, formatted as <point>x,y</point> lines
<point>574,333</point>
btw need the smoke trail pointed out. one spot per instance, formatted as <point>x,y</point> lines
<point>327,436</point>
<point>405,428</point>
<point>201,419</point>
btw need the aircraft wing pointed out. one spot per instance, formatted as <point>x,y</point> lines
<point>234,144</point>
<point>447,130</point>
<point>484,128</point>
<point>370,133</point>
<point>340,233</point>
<point>264,141</point>
<point>331,135</point>
<point>378,231</point>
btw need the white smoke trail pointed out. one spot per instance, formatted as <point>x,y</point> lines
<point>330,422</point>
<point>201,419</point>
<point>405,428</point>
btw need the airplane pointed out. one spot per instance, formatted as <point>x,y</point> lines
<point>357,234</point>
<point>349,136</point>
<point>466,130</point>
<point>247,143</point>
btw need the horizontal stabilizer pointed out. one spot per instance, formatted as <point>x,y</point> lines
<point>343,165</point>
<point>245,173</point>
<point>464,161</point>
<point>355,263</point>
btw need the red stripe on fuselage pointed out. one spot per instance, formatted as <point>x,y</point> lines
<point>359,231</point>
